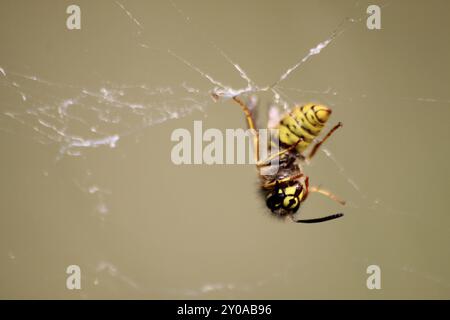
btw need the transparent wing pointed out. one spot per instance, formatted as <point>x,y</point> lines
<point>274,116</point>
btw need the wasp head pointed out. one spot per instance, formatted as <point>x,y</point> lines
<point>285,199</point>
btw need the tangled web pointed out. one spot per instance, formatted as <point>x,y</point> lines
<point>91,117</point>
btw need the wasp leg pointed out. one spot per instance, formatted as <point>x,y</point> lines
<point>269,185</point>
<point>326,193</point>
<point>319,143</point>
<point>251,125</point>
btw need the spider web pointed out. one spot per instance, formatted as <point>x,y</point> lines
<point>76,119</point>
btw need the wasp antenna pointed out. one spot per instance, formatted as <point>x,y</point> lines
<point>323,219</point>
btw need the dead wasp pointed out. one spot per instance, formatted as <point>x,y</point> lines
<point>289,186</point>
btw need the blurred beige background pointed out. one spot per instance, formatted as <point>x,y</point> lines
<point>141,227</point>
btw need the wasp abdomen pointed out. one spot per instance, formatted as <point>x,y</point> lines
<point>303,123</point>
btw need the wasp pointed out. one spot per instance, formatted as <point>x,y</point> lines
<point>298,129</point>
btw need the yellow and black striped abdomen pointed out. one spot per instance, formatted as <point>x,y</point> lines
<point>303,123</point>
